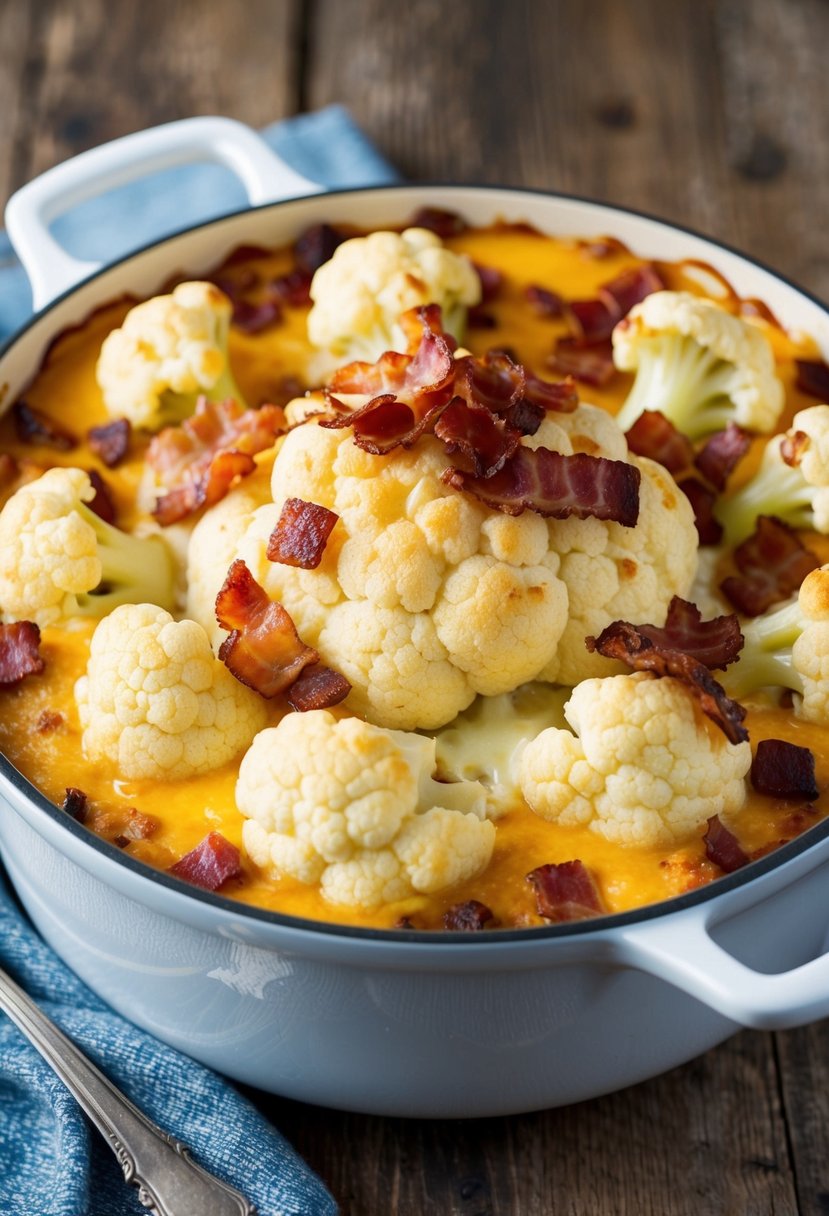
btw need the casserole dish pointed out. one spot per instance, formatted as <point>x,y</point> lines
<point>392,1022</point>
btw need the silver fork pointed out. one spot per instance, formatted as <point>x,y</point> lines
<point>169,1182</point>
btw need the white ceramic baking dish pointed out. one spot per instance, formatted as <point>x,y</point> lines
<point>400,1023</point>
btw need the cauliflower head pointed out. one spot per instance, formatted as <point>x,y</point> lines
<point>157,702</point>
<point>698,364</point>
<point>643,767</point>
<point>361,291</point>
<point>168,351</point>
<point>354,807</point>
<point>59,560</point>
<point>794,488</point>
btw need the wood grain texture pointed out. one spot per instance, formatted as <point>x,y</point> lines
<point>803,1063</point>
<point>706,1138</point>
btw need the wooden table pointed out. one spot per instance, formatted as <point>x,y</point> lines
<point>711,114</point>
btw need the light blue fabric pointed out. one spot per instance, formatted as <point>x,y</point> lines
<point>325,147</point>
<point>51,1162</point>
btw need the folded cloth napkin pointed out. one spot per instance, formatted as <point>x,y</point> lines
<point>51,1162</point>
<point>325,147</point>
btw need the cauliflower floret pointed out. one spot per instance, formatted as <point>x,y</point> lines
<point>355,808</point>
<point>58,559</point>
<point>213,545</point>
<point>795,489</point>
<point>789,648</point>
<point>157,702</point>
<point>169,351</point>
<point>698,364</point>
<point>644,767</point>
<point>360,293</point>
<point>423,597</point>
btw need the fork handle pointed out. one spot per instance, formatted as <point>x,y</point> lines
<point>169,1182</point>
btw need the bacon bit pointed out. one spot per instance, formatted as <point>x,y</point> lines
<point>525,417</point>
<point>111,442</point>
<point>199,460</point>
<point>469,917</point>
<point>716,643</point>
<point>492,281</point>
<point>382,424</point>
<point>560,396</point>
<point>19,652</point>
<point>494,381</point>
<point>702,499</point>
<point>589,364</point>
<point>138,827</point>
<point>558,486</point>
<point>263,649</point>
<point>292,289</point>
<point>630,645</point>
<point>723,848</point>
<point>813,378</point>
<point>722,453</point>
<point>75,803</point>
<point>773,562</point>
<point>245,253</point>
<point>793,447</point>
<point>102,504</point>
<point>316,246</point>
<point>595,319</point>
<point>632,286</point>
<point>416,321</point>
<point>252,317</point>
<point>235,285</point>
<point>601,247</point>
<point>317,687</point>
<point>655,436</point>
<point>35,427</point>
<point>482,440</point>
<point>213,861</point>
<point>413,379</point>
<point>443,223</point>
<point>783,770</point>
<point>48,720</point>
<point>566,891</point>
<point>479,318</point>
<point>546,303</point>
<point>301,534</point>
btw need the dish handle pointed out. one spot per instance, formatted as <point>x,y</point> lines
<point>680,949</point>
<point>35,206</point>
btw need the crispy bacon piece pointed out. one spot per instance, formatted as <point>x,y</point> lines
<point>716,642</point>
<point>469,917</point>
<point>492,281</point>
<point>443,223</point>
<point>19,652</point>
<point>783,770</point>
<point>110,442</point>
<point>102,504</point>
<point>546,303</point>
<point>601,247</point>
<point>773,562</point>
<point>655,436</point>
<point>292,289</point>
<point>792,448</point>
<point>813,378</point>
<point>75,803</point>
<point>383,424</point>
<point>33,426</point>
<point>47,721</point>
<point>566,891</point>
<point>493,381</point>
<point>301,534</point>
<point>589,364</point>
<point>413,379</point>
<point>477,317</point>
<point>593,320</point>
<point>317,687</point>
<point>416,321</point>
<point>721,454</point>
<point>253,316</point>
<point>702,499</point>
<point>315,246</point>
<point>631,286</point>
<point>482,441</point>
<point>561,396</point>
<point>199,460</point>
<point>263,649</point>
<point>723,848</point>
<point>210,864</point>
<point>558,486</point>
<point>138,826</point>
<point>630,645</point>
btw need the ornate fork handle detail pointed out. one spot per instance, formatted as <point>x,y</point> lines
<point>169,1182</point>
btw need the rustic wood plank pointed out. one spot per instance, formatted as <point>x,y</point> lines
<point>113,68</point>
<point>709,114</point>
<point>706,1138</point>
<point>20,65</point>
<point>803,1057</point>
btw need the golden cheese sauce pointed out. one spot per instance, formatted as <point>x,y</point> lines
<point>39,728</point>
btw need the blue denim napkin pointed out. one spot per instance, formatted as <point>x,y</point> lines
<point>51,1162</point>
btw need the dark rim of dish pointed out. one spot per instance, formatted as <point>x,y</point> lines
<point>719,886</point>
